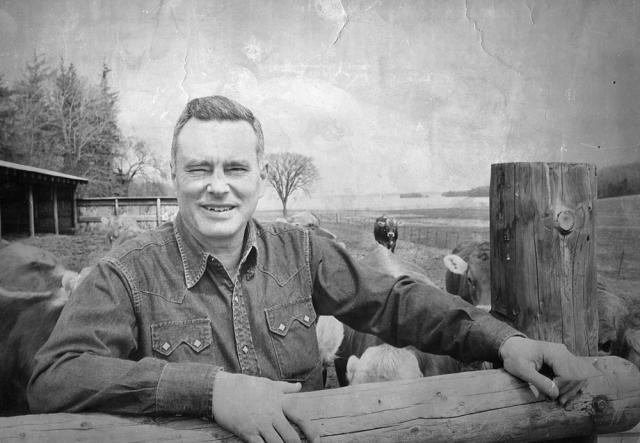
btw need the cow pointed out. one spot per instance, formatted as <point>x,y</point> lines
<point>119,228</point>
<point>618,329</point>
<point>32,294</point>
<point>385,232</point>
<point>468,275</point>
<point>380,361</point>
<point>310,221</point>
<point>383,363</point>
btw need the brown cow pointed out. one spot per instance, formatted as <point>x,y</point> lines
<point>31,298</point>
<point>468,275</point>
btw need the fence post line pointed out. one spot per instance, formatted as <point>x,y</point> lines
<point>158,209</point>
<point>115,206</point>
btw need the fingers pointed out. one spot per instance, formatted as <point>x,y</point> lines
<point>569,390</point>
<point>284,431</point>
<point>310,430</point>
<point>543,384</point>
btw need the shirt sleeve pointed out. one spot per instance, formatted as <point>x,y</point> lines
<point>87,362</point>
<point>402,310</point>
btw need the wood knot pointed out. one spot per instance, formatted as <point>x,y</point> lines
<point>565,222</point>
<point>600,403</point>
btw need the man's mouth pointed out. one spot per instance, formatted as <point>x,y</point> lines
<point>219,208</point>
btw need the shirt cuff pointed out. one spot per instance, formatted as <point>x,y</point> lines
<point>487,337</point>
<point>186,389</point>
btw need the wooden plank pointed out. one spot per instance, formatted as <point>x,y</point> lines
<point>481,406</point>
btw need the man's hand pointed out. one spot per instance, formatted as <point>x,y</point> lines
<point>524,357</point>
<point>256,409</point>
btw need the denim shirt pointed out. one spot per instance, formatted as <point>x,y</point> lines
<point>150,326</point>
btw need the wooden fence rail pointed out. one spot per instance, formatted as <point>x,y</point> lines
<point>466,407</point>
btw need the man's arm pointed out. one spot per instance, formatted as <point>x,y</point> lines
<point>85,364</point>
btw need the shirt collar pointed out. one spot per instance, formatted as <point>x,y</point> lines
<point>195,258</point>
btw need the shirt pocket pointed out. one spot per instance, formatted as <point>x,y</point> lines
<point>293,336</point>
<point>183,341</point>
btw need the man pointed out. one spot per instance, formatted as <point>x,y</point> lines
<point>214,315</point>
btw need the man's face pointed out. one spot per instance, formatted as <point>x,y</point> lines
<point>217,178</point>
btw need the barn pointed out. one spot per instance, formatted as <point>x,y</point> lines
<point>35,200</point>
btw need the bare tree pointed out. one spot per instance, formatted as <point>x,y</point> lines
<point>135,160</point>
<point>289,172</point>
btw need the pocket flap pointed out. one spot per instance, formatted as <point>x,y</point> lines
<point>281,317</point>
<point>168,335</point>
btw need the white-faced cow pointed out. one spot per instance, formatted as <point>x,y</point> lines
<point>468,275</point>
<point>364,357</point>
<point>385,231</point>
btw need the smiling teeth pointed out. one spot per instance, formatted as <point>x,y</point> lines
<point>229,208</point>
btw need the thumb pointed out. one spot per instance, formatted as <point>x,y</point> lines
<point>544,384</point>
<point>289,388</point>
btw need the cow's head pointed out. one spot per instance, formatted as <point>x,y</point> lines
<point>385,231</point>
<point>612,312</point>
<point>468,273</point>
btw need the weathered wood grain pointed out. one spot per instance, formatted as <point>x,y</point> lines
<point>481,406</point>
<point>543,276</point>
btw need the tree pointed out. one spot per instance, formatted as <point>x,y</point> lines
<point>289,172</point>
<point>30,133</point>
<point>7,112</point>
<point>134,160</point>
<point>86,130</point>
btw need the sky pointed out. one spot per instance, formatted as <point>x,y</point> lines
<point>384,95</point>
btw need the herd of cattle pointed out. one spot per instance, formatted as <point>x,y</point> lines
<point>34,287</point>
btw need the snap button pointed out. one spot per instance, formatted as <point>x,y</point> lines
<point>245,349</point>
<point>306,318</point>
<point>166,346</point>
<point>197,343</point>
<point>281,327</point>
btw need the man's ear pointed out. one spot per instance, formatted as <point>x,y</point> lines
<point>173,172</point>
<point>264,171</point>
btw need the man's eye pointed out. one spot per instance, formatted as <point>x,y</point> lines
<point>236,169</point>
<point>197,170</point>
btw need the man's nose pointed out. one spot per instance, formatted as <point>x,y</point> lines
<point>217,183</point>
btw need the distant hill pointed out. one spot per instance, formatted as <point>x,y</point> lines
<point>480,191</point>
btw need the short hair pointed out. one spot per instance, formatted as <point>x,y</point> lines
<point>217,107</point>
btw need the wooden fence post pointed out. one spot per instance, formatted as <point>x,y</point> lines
<point>56,222</point>
<point>32,226</point>
<point>543,274</point>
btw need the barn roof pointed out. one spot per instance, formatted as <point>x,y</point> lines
<point>9,169</point>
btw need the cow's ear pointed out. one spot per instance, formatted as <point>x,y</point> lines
<point>455,264</point>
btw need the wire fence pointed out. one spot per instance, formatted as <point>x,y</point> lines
<point>444,237</point>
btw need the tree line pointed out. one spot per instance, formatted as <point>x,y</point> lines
<point>53,118</point>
